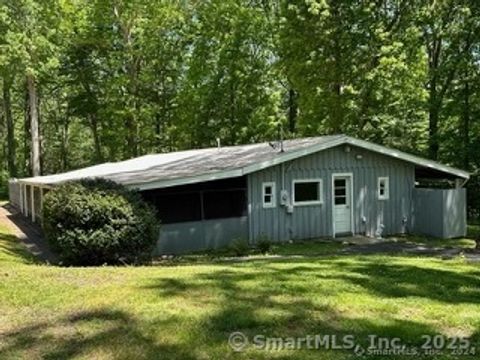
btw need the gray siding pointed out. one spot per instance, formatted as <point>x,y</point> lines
<point>200,235</point>
<point>316,220</point>
<point>14,193</point>
<point>440,213</point>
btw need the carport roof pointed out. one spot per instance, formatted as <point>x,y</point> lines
<point>192,166</point>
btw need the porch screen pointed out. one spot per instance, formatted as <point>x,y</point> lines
<point>205,201</point>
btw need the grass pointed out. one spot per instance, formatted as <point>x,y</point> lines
<point>187,310</point>
<point>442,243</point>
<point>297,248</point>
<point>473,232</point>
<point>11,251</point>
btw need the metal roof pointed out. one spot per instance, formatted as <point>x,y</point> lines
<point>186,167</point>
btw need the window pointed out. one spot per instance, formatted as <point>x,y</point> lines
<point>307,192</point>
<point>383,188</point>
<point>268,195</point>
<point>340,197</point>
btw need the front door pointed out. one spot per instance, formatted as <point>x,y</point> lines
<point>342,207</point>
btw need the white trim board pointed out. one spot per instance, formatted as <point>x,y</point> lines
<point>386,189</point>
<point>332,192</point>
<point>273,195</point>
<point>319,182</point>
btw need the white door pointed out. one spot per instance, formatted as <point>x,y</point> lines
<point>342,212</point>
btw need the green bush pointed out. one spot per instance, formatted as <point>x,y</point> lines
<point>240,247</point>
<point>3,185</point>
<point>95,221</point>
<point>264,244</point>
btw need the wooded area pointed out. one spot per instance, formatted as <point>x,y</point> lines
<point>89,81</point>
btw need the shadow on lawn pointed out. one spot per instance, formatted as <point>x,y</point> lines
<point>11,247</point>
<point>101,332</point>
<point>270,300</point>
<point>412,281</point>
<point>280,305</point>
<point>31,236</point>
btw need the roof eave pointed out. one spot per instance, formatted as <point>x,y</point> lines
<point>408,157</point>
<point>288,156</point>
<point>281,158</point>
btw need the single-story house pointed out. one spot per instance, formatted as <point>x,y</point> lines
<point>326,186</point>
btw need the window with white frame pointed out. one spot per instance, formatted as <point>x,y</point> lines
<point>383,188</point>
<point>268,195</point>
<point>307,192</point>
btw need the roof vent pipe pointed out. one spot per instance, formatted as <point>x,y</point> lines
<point>278,145</point>
<point>218,143</point>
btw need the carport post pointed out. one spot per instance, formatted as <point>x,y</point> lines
<point>20,190</point>
<point>32,202</point>
<point>25,200</point>
<point>41,199</point>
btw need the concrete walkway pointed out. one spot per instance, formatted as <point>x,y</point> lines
<point>27,233</point>
<point>364,246</point>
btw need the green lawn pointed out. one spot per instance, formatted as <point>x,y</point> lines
<point>187,311</point>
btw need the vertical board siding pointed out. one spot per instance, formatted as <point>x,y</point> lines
<point>185,237</point>
<point>14,193</point>
<point>314,221</point>
<point>440,213</point>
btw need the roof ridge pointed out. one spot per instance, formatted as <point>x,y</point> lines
<point>193,165</point>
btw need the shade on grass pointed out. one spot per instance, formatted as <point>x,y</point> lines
<point>188,311</point>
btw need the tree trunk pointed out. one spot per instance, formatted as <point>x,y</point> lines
<point>132,148</point>
<point>64,144</point>
<point>158,132</point>
<point>434,49</point>
<point>26,166</point>
<point>232,115</point>
<point>34,128</point>
<point>292,110</point>
<point>96,138</point>
<point>132,65</point>
<point>466,107</point>
<point>337,111</point>
<point>466,124</point>
<point>433,113</point>
<point>433,145</point>
<point>11,149</point>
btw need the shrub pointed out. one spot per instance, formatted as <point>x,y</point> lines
<point>240,247</point>
<point>96,221</point>
<point>264,244</point>
<point>3,185</point>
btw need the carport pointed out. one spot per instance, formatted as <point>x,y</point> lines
<point>439,204</point>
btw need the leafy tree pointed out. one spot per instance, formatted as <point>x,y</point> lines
<point>446,30</point>
<point>229,91</point>
<point>29,42</point>
<point>83,82</point>
<point>352,64</point>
